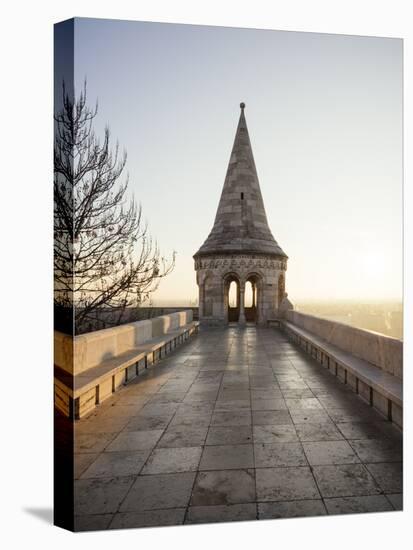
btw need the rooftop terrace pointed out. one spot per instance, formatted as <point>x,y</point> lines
<point>237,424</point>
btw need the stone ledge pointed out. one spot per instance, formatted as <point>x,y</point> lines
<point>78,354</point>
<point>77,395</point>
<point>379,350</point>
<point>382,390</point>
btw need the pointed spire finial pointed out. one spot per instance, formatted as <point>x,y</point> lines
<point>242,105</point>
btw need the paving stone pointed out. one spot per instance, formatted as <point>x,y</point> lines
<point>278,484</point>
<point>266,418</point>
<point>390,431</point>
<point>357,505</point>
<point>152,409</point>
<point>345,415</point>
<point>377,450</point>
<point>255,368</point>
<point>359,430</point>
<point>202,388</point>
<point>273,455</point>
<point>233,395</point>
<point>82,461</point>
<point>239,404</point>
<point>227,457</point>
<point>296,393</point>
<point>149,422</point>
<point>153,518</point>
<point>201,397</point>
<point>116,464</point>
<point>129,398</point>
<point>167,398</point>
<point>171,460</point>
<point>121,409</point>
<point>209,376</point>
<point>235,386</point>
<point>229,435</point>
<point>274,434</point>
<point>191,420</point>
<point>92,443</point>
<point>135,441</point>
<point>339,400</point>
<point>293,376</point>
<point>268,405</point>
<point>306,403</point>
<point>312,416</point>
<point>264,382</point>
<point>157,492</point>
<point>344,480</point>
<point>261,384</point>
<point>213,514</point>
<point>175,387</point>
<point>223,487</point>
<point>197,408</point>
<point>101,425</point>
<point>389,476</point>
<point>266,394</point>
<point>292,384</point>
<point>330,452</point>
<point>184,436</point>
<point>100,496</point>
<point>233,418</point>
<point>326,431</point>
<point>92,522</point>
<point>396,500</point>
<point>292,509</point>
<point>246,375</point>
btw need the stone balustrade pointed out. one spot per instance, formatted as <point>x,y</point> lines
<point>371,364</point>
<point>90,367</point>
<point>78,354</point>
<point>381,351</point>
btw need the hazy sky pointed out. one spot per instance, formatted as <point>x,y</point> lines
<point>325,120</point>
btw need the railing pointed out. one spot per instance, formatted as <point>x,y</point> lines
<point>381,351</point>
<point>90,367</point>
<point>371,364</point>
<point>83,352</point>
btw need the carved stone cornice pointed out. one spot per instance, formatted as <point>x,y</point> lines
<point>237,262</point>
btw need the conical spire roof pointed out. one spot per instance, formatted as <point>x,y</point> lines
<point>241,224</point>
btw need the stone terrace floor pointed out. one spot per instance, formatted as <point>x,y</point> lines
<point>237,424</point>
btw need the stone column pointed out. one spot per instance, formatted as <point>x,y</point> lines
<point>201,300</point>
<point>241,319</point>
<point>225,304</point>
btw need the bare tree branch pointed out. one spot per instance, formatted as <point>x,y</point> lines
<point>104,257</point>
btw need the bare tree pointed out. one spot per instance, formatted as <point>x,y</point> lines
<point>104,257</point>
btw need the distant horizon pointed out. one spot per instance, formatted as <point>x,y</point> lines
<point>370,301</point>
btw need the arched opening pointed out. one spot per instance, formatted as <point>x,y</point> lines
<point>251,299</point>
<point>249,295</point>
<point>233,294</point>
<point>232,298</point>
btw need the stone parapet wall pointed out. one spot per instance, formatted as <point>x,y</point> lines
<point>379,350</point>
<point>78,354</point>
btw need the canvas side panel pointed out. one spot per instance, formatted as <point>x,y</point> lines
<point>63,304</point>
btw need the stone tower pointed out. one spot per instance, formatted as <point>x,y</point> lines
<point>240,249</point>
